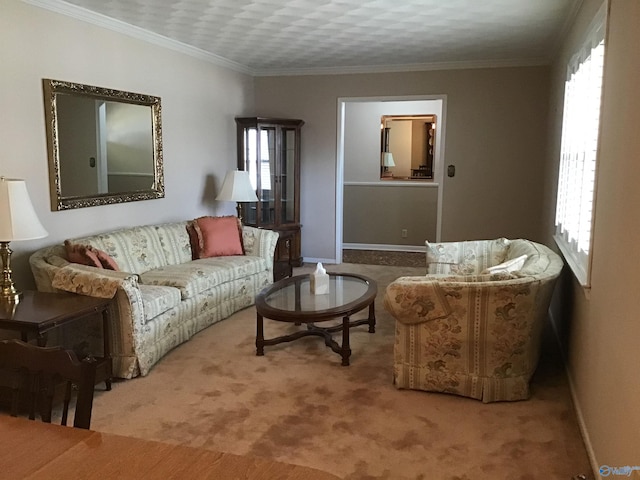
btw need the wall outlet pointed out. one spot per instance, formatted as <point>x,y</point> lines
<point>403,233</point>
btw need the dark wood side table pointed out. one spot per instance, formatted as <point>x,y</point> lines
<point>282,262</point>
<point>40,312</point>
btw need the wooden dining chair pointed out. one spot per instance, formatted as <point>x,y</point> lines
<point>38,371</point>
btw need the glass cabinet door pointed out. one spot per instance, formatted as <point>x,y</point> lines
<point>266,190</point>
<point>260,162</point>
<point>287,206</point>
<point>250,164</point>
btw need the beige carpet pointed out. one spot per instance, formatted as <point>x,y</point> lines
<point>298,405</point>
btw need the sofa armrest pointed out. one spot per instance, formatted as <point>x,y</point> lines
<point>126,315</point>
<point>44,264</point>
<point>260,242</point>
<point>92,281</point>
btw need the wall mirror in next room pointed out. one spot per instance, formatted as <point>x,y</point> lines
<point>407,145</point>
<point>104,145</point>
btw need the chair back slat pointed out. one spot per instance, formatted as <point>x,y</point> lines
<point>39,370</point>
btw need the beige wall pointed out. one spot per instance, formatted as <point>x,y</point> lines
<point>602,329</point>
<point>378,214</point>
<point>495,136</point>
<point>199,102</point>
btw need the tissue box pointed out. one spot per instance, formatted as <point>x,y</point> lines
<point>319,284</point>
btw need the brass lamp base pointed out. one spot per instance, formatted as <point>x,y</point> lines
<point>8,292</point>
<point>239,209</point>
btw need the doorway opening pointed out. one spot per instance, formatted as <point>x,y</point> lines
<point>371,211</point>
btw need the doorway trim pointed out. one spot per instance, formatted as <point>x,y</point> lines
<point>438,159</point>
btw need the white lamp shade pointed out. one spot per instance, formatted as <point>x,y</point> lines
<point>387,160</point>
<point>18,219</point>
<point>237,188</point>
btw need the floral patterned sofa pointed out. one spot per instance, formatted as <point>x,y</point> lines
<point>162,296</point>
<point>472,325</point>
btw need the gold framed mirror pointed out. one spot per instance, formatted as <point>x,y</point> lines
<point>407,146</point>
<point>104,145</point>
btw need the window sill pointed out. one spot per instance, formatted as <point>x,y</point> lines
<point>582,276</point>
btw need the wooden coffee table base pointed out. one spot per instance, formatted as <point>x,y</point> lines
<point>343,350</point>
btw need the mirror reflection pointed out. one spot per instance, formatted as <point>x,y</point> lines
<point>105,145</point>
<point>407,144</point>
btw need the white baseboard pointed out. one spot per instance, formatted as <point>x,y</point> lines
<point>595,466</point>
<point>385,247</point>
<point>330,261</point>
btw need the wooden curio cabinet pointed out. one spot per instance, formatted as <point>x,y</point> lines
<point>269,149</point>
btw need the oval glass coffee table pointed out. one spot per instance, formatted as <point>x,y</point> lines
<point>291,300</point>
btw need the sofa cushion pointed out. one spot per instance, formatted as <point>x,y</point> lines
<point>195,277</point>
<point>465,258</point>
<point>158,299</point>
<point>174,242</point>
<point>511,265</point>
<point>218,236</point>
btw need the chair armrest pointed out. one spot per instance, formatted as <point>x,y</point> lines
<point>412,300</point>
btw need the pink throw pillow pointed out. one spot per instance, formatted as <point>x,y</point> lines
<point>106,260</point>
<point>81,254</point>
<point>194,241</point>
<point>87,255</point>
<point>218,236</point>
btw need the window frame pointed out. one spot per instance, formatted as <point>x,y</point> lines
<point>579,261</point>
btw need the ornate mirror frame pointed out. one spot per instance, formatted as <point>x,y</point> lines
<point>60,201</point>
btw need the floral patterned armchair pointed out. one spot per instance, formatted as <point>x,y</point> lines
<point>472,325</point>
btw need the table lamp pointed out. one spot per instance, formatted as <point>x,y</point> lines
<point>18,221</point>
<point>387,161</point>
<point>237,188</point>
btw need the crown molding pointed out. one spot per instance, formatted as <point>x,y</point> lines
<point>100,20</point>
<point>85,15</point>
<point>461,65</point>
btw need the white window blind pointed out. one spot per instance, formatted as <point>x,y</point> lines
<point>579,152</point>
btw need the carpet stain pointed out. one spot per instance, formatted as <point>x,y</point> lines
<point>409,440</point>
<point>428,423</point>
<point>323,391</point>
<point>212,394</point>
<point>361,396</point>
<point>342,427</point>
<point>211,369</point>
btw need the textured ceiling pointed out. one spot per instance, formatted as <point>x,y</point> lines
<point>279,36</point>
